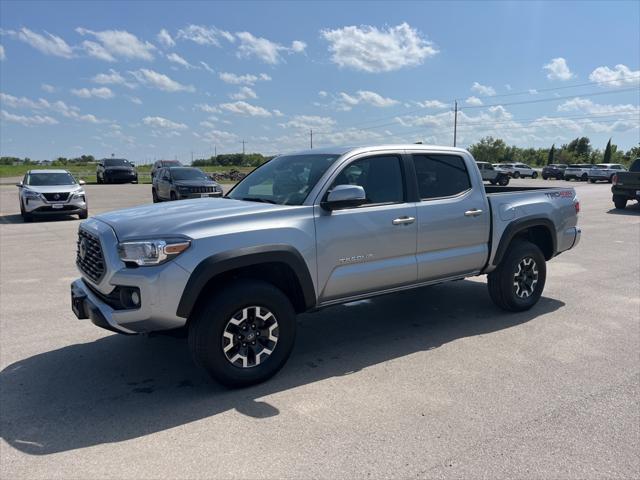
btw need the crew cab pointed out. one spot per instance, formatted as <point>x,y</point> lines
<point>308,230</point>
<point>626,185</point>
<point>605,172</point>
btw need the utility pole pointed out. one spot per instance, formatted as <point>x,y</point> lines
<point>455,124</point>
<point>311,137</point>
<point>243,142</point>
<point>191,157</point>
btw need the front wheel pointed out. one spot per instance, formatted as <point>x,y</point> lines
<point>84,214</point>
<point>173,196</point>
<point>592,180</point>
<point>619,202</point>
<point>584,177</point>
<point>154,195</point>
<point>492,182</point>
<point>244,334</point>
<point>504,181</point>
<point>544,177</point>
<point>517,284</point>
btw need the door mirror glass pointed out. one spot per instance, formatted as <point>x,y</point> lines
<point>344,196</point>
<point>82,182</point>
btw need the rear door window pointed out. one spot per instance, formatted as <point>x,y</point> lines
<point>440,175</point>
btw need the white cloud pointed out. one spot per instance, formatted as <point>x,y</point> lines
<point>117,43</point>
<point>558,69</point>
<point>175,58</point>
<point>219,137</point>
<point>244,108</point>
<point>306,122</point>
<point>365,97</point>
<point>588,106</point>
<point>135,100</point>
<point>102,92</point>
<point>278,113</point>
<point>112,78</point>
<point>48,44</point>
<point>298,47</point>
<point>164,38</point>
<point>2,54</point>
<point>614,77</point>
<point>473,101</point>
<point>247,79</point>
<point>160,81</point>
<point>264,49</point>
<point>432,104</point>
<point>48,88</point>
<point>243,94</point>
<point>485,90</point>
<point>207,67</point>
<point>161,122</point>
<point>373,50</point>
<point>96,50</point>
<point>322,93</point>
<point>204,35</point>
<point>533,91</point>
<point>205,107</point>
<point>28,121</point>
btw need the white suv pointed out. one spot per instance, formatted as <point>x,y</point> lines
<point>517,170</point>
<point>605,172</point>
<point>51,192</point>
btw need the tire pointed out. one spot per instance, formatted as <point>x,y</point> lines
<point>84,214</point>
<point>492,182</point>
<point>619,202</point>
<point>26,217</point>
<point>209,332</point>
<point>502,281</point>
<point>173,196</point>
<point>516,174</point>
<point>154,195</point>
<point>559,177</point>
<point>503,181</point>
<point>584,177</point>
<point>611,178</point>
<point>592,180</point>
<point>99,181</point>
<point>544,177</point>
<point>534,175</point>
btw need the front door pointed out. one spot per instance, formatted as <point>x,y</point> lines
<point>371,247</point>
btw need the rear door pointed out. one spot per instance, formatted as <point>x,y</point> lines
<point>453,217</point>
<point>371,247</point>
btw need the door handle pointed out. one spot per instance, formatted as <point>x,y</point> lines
<point>474,212</point>
<point>404,220</point>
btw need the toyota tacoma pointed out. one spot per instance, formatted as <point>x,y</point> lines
<point>308,230</point>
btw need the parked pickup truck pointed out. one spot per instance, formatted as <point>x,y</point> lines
<point>626,185</point>
<point>309,230</point>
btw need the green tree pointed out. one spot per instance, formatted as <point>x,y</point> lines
<point>607,153</point>
<point>489,149</point>
<point>552,153</point>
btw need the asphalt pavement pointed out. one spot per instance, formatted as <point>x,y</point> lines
<point>430,383</point>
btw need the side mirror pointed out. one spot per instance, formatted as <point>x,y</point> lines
<point>19,184</point>
<point>344,196</point>
<point>81,182</point>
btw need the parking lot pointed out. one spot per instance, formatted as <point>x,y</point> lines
<point>431,383</point>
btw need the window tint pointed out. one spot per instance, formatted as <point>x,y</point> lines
<point>381,178</point>
<point>441,175</point>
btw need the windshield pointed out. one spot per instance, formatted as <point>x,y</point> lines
<point>169,163</point>
<point>285,180</point>
<point>188,174</point>
<point>44,179</point>
<point>116,162</point>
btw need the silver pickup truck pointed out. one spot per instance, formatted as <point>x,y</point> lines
<point>309,230</point>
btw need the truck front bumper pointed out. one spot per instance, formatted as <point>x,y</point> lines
<point>86,305</point>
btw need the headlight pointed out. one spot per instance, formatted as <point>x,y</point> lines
<point>183,189</point>
<point>78,194</point>
<point>31,194</point>
<point>151,252</point>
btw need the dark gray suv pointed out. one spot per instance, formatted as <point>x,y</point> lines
<point>116,170</point>
<point>177,183</point>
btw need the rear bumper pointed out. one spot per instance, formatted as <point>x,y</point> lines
<point>628,192</point>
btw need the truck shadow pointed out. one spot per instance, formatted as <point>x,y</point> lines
<point>632,209</point>
<point>119,388</point>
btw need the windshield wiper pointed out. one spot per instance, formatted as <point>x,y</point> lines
<point>258,199</point>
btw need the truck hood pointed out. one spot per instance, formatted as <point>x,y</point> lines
<point>183,217</point>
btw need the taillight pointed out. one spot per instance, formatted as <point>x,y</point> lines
<point>615,179</point>
<point>577,205</point>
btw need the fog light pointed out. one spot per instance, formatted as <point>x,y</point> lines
<point>135,298</point>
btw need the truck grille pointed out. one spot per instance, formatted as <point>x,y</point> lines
<point>202,189</point>
<point>89,256</point>
<point>56,197</point>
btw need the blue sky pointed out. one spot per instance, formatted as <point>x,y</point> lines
<point>149,80</point>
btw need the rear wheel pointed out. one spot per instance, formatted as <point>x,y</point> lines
<point>98,180</point>
<point>620,202</point>
<point>611,178</point>
<point>516,174</point>
<point>173,196</point>
<point>517,284</point>
<point>244,334</point>
<point>584,177</point>
<point>492,182</point>
<point>154,195</point>
<point>503,181</point>
<point>592,180</point>
<point>534,175</point>
<point>544,177</point>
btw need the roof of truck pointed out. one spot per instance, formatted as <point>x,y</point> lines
<point>49,170</point>
<point>341,150</point>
